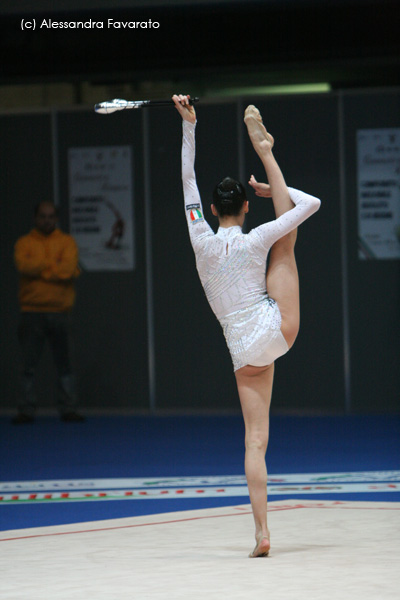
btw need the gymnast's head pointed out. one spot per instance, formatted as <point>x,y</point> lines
<point>229,201</point>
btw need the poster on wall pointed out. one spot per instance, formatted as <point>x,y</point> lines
<point>101,206</point>
<point>378,156</point>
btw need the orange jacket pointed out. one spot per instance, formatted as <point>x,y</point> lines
<point>47,265</point>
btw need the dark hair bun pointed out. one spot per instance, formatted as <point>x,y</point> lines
<point>228,197</point>
<point>225,196</point>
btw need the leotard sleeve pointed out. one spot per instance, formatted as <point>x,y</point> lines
<point>305,206</point>
<point>197,225</point>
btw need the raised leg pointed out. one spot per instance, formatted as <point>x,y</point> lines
<point>282,276</point>
<point>283,286</point>
<point>262,143</point>
<point>255,389</point>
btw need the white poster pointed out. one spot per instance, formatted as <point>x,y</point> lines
<point>378,152</point>
<point>101,206</point>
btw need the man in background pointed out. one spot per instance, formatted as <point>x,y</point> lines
<point>47,262</point>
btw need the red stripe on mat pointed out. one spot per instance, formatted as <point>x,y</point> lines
<point>272,509</point>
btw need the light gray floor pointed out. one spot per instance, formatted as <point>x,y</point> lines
<point>320,550</point>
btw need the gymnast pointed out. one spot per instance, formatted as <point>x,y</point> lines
<point>259,312</point>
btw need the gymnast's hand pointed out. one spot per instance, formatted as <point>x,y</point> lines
<point>185,109</point>
<point>261,189</point>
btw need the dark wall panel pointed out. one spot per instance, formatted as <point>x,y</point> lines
<point>374,285</point>
<point>25,158</point>
<point>110,315</point>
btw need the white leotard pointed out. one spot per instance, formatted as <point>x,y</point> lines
<point>232,266</point>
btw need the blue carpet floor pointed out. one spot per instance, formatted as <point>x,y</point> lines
<point>182,446</point>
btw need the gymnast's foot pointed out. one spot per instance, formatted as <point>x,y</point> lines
<point>262,547</point>
<point>259,136</point>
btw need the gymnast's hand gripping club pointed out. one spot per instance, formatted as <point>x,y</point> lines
<point>106,108</point>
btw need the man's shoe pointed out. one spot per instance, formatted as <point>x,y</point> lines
<point>22,418</point>
<point>72,417</point>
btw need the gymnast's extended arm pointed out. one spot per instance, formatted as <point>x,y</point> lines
<point>305,205</point>
<point>193,207</point>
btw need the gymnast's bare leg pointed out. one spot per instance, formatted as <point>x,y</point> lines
<point>282,275</point>
<point>255,389</point>
<point>255,383</point>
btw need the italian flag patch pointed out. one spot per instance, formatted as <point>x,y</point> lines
<point>195,214</point>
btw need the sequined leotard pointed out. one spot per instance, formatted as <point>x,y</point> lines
<point>231,266</point>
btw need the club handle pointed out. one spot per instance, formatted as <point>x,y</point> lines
<point>167,102</point>
<point>111,106</point>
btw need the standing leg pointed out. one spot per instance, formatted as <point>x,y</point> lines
<point>58,332</point>
<point>255,390</point>
<point>31,337</point>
